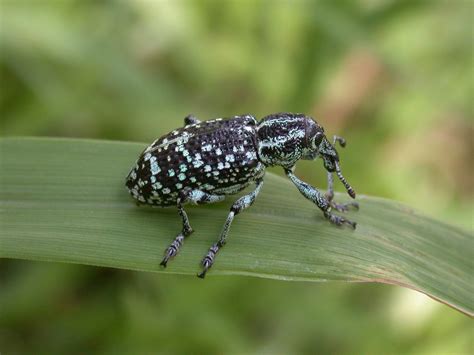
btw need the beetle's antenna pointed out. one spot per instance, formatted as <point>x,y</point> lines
<point>348,187</point>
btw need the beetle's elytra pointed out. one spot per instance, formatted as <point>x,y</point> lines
<point>204,161</point>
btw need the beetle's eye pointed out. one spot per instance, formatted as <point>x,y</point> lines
<point>318,137</point>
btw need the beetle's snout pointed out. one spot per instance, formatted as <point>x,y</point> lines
<point>330,161</point>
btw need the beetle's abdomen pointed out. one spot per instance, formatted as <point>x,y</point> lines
<point>218,156</point>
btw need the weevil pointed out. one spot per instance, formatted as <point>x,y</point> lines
<point>204,161</point>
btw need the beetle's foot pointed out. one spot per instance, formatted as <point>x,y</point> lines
<point>208,260</point>
<point>338,220</point>
<point>202,274</point>
<point>344,207</point>
<point>164,262</point>
<point>173,249</point>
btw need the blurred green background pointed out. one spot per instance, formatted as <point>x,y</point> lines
<point>395,78</point>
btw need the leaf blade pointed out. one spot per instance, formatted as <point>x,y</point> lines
<point>64,200</point>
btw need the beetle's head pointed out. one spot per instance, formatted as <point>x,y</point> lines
<point>318,145</point>
<point>329,154</point>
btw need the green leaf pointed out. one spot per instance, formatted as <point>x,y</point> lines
<point>64,200</point>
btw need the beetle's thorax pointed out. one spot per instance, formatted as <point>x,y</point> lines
<point>282,139</point>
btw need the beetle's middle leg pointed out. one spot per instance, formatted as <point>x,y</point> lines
<point>341,207</point>
<point>193,196</point>
<point>238,206</point>
<point>315,196</point>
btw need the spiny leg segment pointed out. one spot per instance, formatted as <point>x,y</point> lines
<point>341,207</point>
<point>177,243</point>
<point>315,196</point>
<point>238,206</point>
<point>193,196</point>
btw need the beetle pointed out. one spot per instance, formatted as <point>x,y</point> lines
<point>203,162</point>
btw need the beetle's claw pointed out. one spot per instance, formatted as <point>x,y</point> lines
<point>344,207</point>
<point>338,220</point>
<point>206,264</point>
<point>164,262</point>
<point>352,224</point>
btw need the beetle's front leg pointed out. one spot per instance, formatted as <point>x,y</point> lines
<point>193,196</point>
<point>313,194</point>
<point>238,206</point>
<point>341,207</point>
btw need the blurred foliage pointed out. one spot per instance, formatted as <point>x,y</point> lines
<point>395,78</point>
<point>78,309</point>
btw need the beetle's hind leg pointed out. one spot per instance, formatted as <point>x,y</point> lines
<point>238,206</point>
<point>341,207</point>
<point>177,243</point>
<point>193,196</point>
<point>191,119</point>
